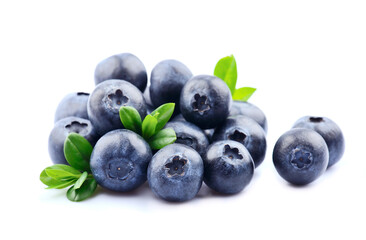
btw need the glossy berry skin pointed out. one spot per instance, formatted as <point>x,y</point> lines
<point>149,106</point>
<point>189,134</point>
<point>124,66</point>
<point>245,130</point>
<point>167,80</point>
<point>300,156</point>
<point>175,173</point>
<point>62,129</point>
<point>331,133</point>
<point>73,105</point>
<point>249,110</point>
<point>119,160</point>
<point>205,101</point>
<point>229,168</point>
<point>106,100</point>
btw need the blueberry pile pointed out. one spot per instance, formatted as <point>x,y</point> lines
<point>180,131</point>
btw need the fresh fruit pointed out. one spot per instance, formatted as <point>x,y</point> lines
<point>73,105</point>
<point>175,173</point>
<point>331,133</point>
<point>205,101</point>
<point>245,130</point>
<point>62,129</point>
<point>190,135</point>
<point>167,80</point>
<point>249,110</point>
<point>106,100</point>
<point>124,66</point>
<point>229,168</point>
<point>300,156</point>
<point>119,160</point>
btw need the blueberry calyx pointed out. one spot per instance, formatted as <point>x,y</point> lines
<point>232,153</point>
<point>316,119</point>
<point>186,141</point>
<point>237,136</point>
<point>116,100</point>
<point>76,127</point>
<point>200,104</point>
<point>119,169</point>
<point>176,166</point>
<point>301,158</point>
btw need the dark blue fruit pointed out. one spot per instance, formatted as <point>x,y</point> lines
<point>205,101</point>
<point>149,106</point>
<point>190,135</point>
<point>167,80</point>
<point>73,105</point>
<point>119,160</point>
<point>106,100</point>
<point>62,129</point>
<point>175,173</point>
<point>300,156</point>
<point>249,110</point>
<point>248,132</point>
<point>331,133</point>
<point>229,168</point>
<point>124,66</point>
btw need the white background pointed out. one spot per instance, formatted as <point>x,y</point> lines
<point>305,58</point>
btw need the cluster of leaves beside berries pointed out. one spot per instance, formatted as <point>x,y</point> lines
<point>227,71</point>
<point>78,150</point>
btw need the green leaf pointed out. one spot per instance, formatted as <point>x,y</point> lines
<point>62,184</point>
<point>163,114</point>
<point>226,70</point>
<point>162,138</point>
<point>47,180</point>
<point>83,192</point>
<point>149,126</point>
<point>243,94</point>
<point>81,180</point>
<point>130,118</point>
<point>77,152</point>
<point>62,172</point>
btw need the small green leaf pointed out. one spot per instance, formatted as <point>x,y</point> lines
<point>226,70</point>
<point>81,180</point>
<point>61,172</point>
<point>243,94</point>
<point>83,192</point>
<point>130,118</point>
<point>47,180</point>
<point>62,184</point>
<point>77,152</point>
<point>149,126</point>
<point>163,114</point>
<point>162,138</point>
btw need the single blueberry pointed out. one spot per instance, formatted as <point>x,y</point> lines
<point>331,133</point>
<point>167,80</point>
<point>300,156</point>
<point>205,101</point>
<point>124,66</point>
<point>249,110</point>
<point>190,135</point>
<point>62,129</point>
<point>73,105</point>
<point>106,100</point>
<point>149,106</point>
<point>248,132</point>
<point>119,160</point>
<point>175,173</point>
<point>228,167</point>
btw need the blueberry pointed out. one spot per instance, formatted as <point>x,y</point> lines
<point>119,160</point>
<point>149,106</point>
<point>205,101</point>
<point>106,100</point>
<point>124,66</point>
<point>190,135</point>
<point>249,110</point>
<point>72,105</point>
<point>60,132</point>
<point>245,130</point>
<point>300,156</point>
<point>229,168</point>
<point>167,80</point>
<point>331,133</point>
<point>175,173</point>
